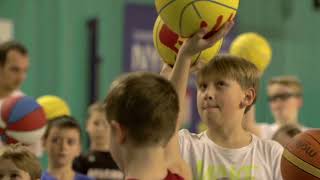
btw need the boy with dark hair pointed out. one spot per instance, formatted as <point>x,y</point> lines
<point>142,109</point>
<point>62,142</point>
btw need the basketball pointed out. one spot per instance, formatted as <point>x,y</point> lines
<point>22,120</point>
<point>185,17</point>
<point>254,48</point>
<point>301,157</point>
<point>53,106</point>
<point>168,44</point>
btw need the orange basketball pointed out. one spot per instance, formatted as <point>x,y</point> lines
<point>301,157</point>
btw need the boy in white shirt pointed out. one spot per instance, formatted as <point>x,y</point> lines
<point>227,88</point>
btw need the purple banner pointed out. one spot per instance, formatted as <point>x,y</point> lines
<point>140,54</point>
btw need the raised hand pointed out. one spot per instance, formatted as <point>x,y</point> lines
<point>198,43</point>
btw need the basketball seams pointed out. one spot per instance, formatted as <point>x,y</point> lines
<point>157,33</point>
<point>181,16</point>
<point>221,4</point>
<point>295,155</point>
<point>310,135</point>
<point>194,1</point>
<point>161,9</point>
<point>298,167</point>
<point>197,12</point>
<point>289,159</point>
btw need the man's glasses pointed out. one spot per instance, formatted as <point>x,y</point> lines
<point>283,96</point>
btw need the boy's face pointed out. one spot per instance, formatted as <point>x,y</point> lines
<point>218,100</point>
<point>284,103</point>
<point>9,171</point>
<point>62,146</point>
<point>98,127</point>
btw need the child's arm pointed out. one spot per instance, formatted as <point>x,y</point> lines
<point>179,78</point>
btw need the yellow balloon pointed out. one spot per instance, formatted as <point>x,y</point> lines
<point>168,44</point>
<point>254,48</point>
<point>185,17</point>
<point>53,106</point>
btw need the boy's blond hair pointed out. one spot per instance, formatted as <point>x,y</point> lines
<point>23,159</point>
<point>232,67</point>
<point>289,81</point>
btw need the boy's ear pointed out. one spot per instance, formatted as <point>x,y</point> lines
<point>249,97</point>
<point>118,132</point>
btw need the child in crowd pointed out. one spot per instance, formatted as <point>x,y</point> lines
<point>17,162</point>
<point>98,163</point>
<point>285,99</point>
<point>62,143</point>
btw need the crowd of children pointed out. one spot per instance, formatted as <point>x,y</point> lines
<point>135,132</point>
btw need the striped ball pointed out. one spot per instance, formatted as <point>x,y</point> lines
<point>22,120</point>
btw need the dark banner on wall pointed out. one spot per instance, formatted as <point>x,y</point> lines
<point>139,52</point>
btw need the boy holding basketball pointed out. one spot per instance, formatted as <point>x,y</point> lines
<point>227,88</point>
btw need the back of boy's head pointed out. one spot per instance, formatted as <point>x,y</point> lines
<point>245,73</point>
<point>62,122</point>
<point>288,81</point>
<point>146,105</point>
<point>23,159</point>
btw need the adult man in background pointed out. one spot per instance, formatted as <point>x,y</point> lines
<point>14,64</point>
